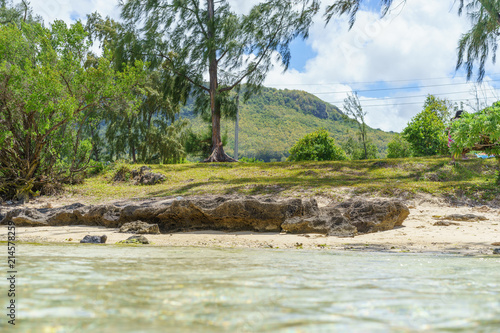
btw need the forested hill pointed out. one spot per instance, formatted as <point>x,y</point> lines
<point>273,120</point>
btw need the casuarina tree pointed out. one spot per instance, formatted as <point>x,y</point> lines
<point>208,49</point>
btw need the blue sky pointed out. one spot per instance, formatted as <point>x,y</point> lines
<point>393,63</point>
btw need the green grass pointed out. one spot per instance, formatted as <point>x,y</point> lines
<point>473,178</point>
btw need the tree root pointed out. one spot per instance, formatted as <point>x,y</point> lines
<point>218,155</point>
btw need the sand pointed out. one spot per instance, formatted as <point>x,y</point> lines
<point>418,234</point>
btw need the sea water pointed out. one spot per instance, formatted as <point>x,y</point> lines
<point>95,288</point>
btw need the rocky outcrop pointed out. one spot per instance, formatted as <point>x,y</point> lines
<point>145,176</point>
<point>225,214</point>
<point>94,239</point>
<point>139,227</point>
<point>372,216</point>
<point>142,176</point>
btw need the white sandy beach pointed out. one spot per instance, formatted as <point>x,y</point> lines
<point>418,234</point>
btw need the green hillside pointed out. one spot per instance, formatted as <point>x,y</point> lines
<point>273,120</point>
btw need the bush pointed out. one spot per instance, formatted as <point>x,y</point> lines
<point>426,134</point>
<point>250,160</point>
<point>316,146</point>
<point>398,148</point>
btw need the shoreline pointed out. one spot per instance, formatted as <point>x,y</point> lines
<point>419,234</point>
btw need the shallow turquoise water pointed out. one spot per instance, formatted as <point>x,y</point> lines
<point>132,289</point>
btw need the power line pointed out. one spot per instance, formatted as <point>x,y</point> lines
<point>374,82</point>
<point>414,96</point>
<point>409,103</point>
<point>397,88</point>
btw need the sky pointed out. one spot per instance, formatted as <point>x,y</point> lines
<point>392,63</point>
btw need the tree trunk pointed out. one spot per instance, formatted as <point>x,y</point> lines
<point>131,143</point>
<point>498,162</point>
<point>218,154</point>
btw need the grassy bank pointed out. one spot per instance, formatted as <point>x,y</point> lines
<point>474,179</point>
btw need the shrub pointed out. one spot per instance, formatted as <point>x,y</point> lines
<point>398,148</point>
<point>316,146</point>
<point>426,134</point>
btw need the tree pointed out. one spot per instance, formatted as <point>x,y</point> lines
<point>316,146</point>
<point>190,41</point>
<point>352,107</point>
<point>426,132</point>
<point>46,95</point>
<point>15,14</point>
<point>442,107</point>
<point>398,148</point>
<point>150,134</point>
<point>355,150</point>
<point>478,131</point>
<point>475,46</point>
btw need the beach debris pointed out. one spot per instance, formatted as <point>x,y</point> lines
<point>140,227</point>
<point>496,244</point>
<point>136,239</point>
<point>94,239</point>
<point>482,209</point>
<point>464,217</point>
<point>445,223</point>
<point>496,251</point>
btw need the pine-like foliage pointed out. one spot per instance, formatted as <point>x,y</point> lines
<point>150,134</point>
<point>193,40</point>
<point>480,42</point>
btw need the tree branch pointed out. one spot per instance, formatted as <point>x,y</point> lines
<point>264,53</point>
<point>182,74</point>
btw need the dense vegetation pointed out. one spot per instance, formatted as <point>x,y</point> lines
<point>480,131</point>
<point>49,87</point>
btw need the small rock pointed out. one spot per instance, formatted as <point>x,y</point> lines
<point>496,244</point>
<point>496,251</point>
<point>94,239</point>
<point>445,223</point>
<point>137,239</point>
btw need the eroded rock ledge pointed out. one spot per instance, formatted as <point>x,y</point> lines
<point>226,214</point>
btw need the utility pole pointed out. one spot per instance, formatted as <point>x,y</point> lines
<point>236,127</point>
